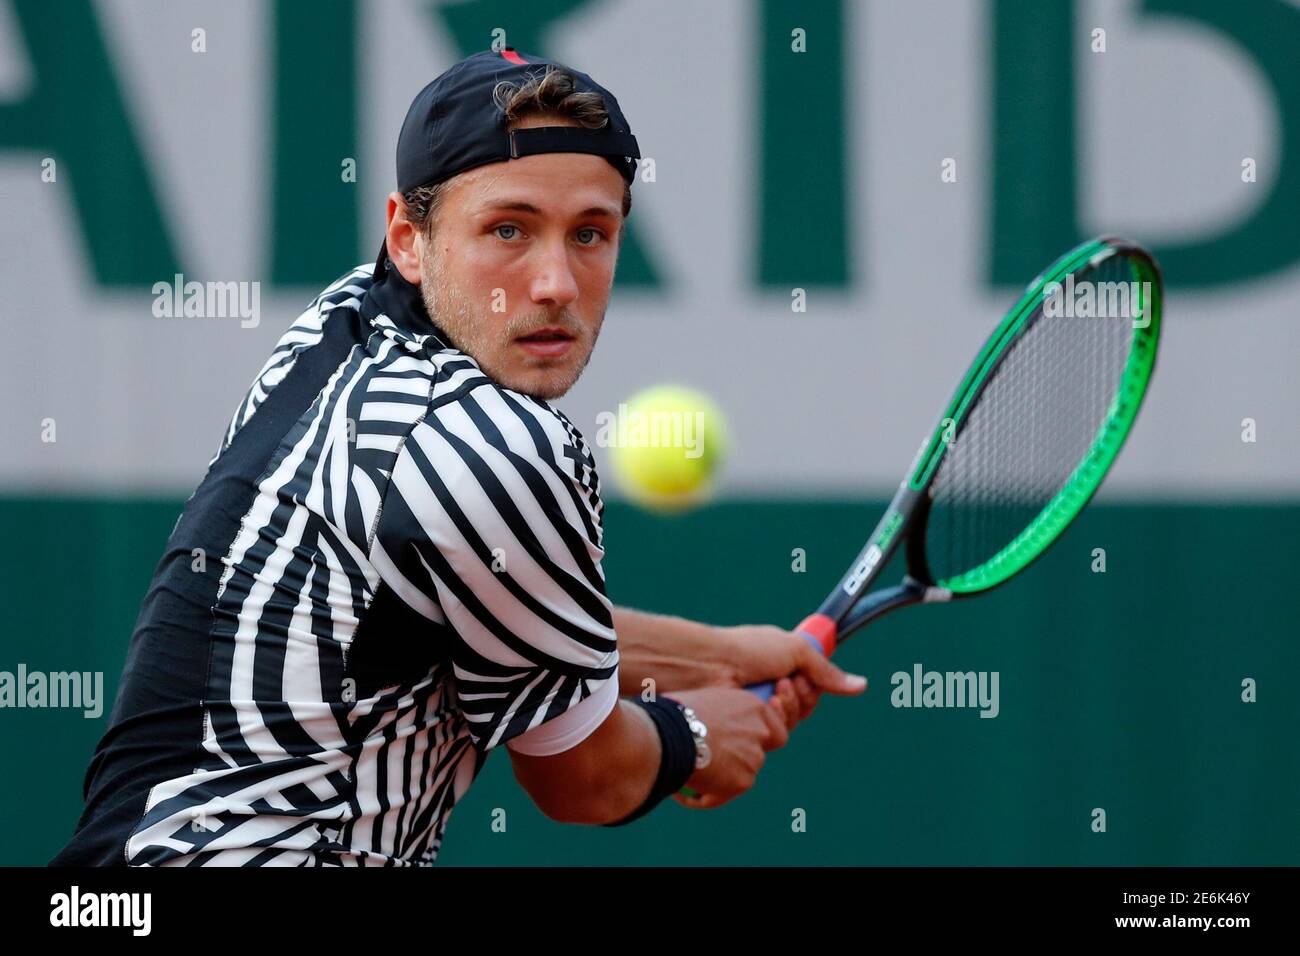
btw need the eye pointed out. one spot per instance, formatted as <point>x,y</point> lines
<point>589,236</point>
<point>506,231</point>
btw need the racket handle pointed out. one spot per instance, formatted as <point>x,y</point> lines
<point>819,631</point>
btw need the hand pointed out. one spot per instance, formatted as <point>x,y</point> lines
<point>761,652</point>
<point>742,729</point>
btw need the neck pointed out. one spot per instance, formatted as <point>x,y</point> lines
<point>403,303</point>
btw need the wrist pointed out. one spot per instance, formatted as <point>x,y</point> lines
<point>723,650</point>
<point>677,752</point>
<point>703,752</point>
<point>700,734</point>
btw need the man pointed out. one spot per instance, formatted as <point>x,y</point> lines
<point>393,566</point>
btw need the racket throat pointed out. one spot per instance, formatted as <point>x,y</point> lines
<point>934,595</point>
<point>923,593</point>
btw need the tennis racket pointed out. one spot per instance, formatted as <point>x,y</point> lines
<point>1029,436</point>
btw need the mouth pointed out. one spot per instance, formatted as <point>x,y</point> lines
<point>550,342</point>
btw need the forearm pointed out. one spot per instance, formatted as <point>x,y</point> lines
<point>671,651</point>
<point>604,778</point>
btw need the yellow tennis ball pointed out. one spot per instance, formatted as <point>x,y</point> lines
<point>666,444</point>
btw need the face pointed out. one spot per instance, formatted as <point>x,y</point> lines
<point>519,270</point>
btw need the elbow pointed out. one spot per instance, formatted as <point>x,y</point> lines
<point>592,801</point>
<point>570,810</point>
<point>601,780</point>
<point>590,792</point>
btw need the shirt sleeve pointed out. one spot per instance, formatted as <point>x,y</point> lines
<point>491,523</point>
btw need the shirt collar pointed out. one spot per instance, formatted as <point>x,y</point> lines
<point>402,305</point>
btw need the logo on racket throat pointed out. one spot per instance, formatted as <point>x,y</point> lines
<point>871,557</point>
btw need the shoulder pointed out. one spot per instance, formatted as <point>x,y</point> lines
<point>470,412</point>
<point>308,330</point>
<point>482,449</point>
<point>343,293</point>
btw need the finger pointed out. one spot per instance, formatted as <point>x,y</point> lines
<point>777,731</point>
<point>777,703</point>
<point>789,698</point>
<point>807,695</point>
<point>825,676</point>
<point>781,693</point>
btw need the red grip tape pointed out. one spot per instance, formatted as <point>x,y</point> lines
<point>823,629</point>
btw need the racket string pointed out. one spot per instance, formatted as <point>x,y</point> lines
<point>1036,418</point>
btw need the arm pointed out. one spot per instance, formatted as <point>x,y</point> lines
<point>673,652</point>
<point>602,779</point>
<point>498,545</point>
<point>676,653</point>
<point>611,772</point>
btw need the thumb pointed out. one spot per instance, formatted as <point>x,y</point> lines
<point>829,678</point>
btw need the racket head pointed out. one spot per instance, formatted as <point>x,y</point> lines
<point>1037,421</point>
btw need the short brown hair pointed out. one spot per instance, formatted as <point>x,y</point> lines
<point>552,94</point>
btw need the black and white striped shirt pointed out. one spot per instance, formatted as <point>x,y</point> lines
<point>392,566</point>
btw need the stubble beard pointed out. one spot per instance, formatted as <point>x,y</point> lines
<point>478,333</point>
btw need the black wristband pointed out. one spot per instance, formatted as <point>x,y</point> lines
<point>677,759</point>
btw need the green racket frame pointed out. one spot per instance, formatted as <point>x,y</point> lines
<point>846,610</point>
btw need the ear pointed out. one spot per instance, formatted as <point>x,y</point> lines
<point>405,244</point>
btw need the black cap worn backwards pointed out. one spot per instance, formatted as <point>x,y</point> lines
<point>455,124</point>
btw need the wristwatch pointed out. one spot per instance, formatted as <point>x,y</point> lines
<point>700,732</point>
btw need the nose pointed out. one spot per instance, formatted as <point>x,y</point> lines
<point>553,283</point>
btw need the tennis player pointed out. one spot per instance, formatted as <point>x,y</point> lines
<point>393,564</point>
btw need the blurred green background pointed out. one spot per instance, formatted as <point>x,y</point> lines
<point>1119,690</point>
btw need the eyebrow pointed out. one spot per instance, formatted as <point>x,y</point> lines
<point>520,206</point>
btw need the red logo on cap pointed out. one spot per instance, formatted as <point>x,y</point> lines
<point>510,54</point>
